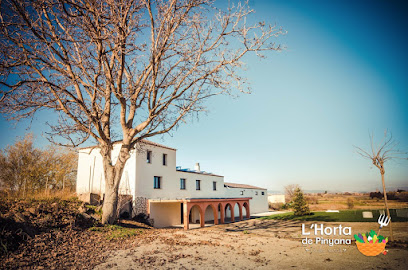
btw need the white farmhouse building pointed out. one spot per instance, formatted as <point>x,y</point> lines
<point>170,195</point>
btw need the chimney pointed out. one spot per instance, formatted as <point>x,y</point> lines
<point>197,167</point>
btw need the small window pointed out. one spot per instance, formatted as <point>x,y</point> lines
<point>182,183</point>
<point>263,193</point>
<point>164,159</point>
<point>157,182</point>
<point>214,185</point>
<point>242,192</point>
<point>198,184</point>
<point>256,192</point>
<point>149,157</point>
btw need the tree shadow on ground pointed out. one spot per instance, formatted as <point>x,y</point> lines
<point>257,224</point>
<point>286,223</point>
<point>132,224</point>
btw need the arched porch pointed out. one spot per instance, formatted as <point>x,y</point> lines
<point>215,205</point>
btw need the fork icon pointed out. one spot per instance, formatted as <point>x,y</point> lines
<point>383,220</point>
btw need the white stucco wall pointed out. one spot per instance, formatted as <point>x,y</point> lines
<point>206,186</point>
<point>138,175</point>
<point>258,203</point>
<point>209,214</point>
<point>276,198</point>
<point>170,178</point>
<point>165,214</point>
<point>195,215</point>
<point>145,172</point>
<point>91,178</point>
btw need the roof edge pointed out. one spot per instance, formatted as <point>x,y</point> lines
<point>237,185</point>
<point>143,141</point>
<point>201,173</point>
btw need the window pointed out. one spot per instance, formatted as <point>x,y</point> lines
<point>214,185</point>
<point>164,159</point>
<point>198,184</point>
<point>182,183</point>
<point>157,182</point>
<point>242,192</point>
<point>263,193</point>
<point>256,192</point>
<point>149,157</point>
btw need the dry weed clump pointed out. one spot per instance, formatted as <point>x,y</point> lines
<point>54,194</point>
<point>275,206</point>
<point>42,195</point>
<point>350,203</point>
<point>311,199</point>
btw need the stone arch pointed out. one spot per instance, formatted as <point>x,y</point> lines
<point>240,210</point>
<point>211,207</point>
<point>195,213</point>
<point>237,211</point>
<point>243,211</point>
<point>229,207</point>
<point>246,206</point>
<point>222,210</point>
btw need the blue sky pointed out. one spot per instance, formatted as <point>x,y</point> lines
<point>343,75</point>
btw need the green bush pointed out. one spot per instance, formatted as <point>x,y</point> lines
<point>300,205</point>
<point>286,206</point>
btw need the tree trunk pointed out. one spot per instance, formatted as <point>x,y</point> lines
<point>110,201</point>
<point>113,174</point>
<point>386,206</point>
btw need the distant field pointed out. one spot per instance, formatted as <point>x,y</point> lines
<point>342,216</point>
<point>339,202</point>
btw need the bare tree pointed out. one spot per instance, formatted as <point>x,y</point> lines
<point>27,170</point>
<point>122,70</point>
<point>385,151</point>
<point>290,191</point>
<point>22,168</point>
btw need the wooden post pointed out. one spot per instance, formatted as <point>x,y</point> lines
<point>386,205</point>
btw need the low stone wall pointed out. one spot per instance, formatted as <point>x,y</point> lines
<point>91,198</point>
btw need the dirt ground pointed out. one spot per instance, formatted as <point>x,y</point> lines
<point>255,244</point>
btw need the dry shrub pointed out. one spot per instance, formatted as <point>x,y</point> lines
<point>350,203</point>
<point>402,196</point>
<point>312,199</point>
<point>65,194</point>
<point>124,206</point>
<point>290,191</point>
<point>275,206</point>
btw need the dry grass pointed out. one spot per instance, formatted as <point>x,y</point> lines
<point>66,194</point>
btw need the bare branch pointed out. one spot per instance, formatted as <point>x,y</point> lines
<point>123,70</point>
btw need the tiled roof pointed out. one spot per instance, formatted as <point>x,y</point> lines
<point>234,185</point>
